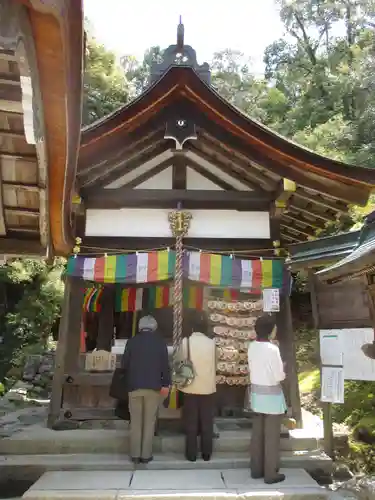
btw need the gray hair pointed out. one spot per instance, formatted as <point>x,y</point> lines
<point>148,323</point>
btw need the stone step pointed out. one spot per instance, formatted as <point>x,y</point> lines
<point>30,467</point>
<point>223,484</point>
<point>38,440</point>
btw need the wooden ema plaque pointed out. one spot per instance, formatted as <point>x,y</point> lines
<point>100,361</point>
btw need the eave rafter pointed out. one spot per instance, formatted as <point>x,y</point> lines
<point>110,154</point>
<point>106,175</point>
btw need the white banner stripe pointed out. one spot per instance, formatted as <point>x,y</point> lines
<point>142,268</point>
<point>88,268</point>
<point>247,275</point>
<point>194,265</point>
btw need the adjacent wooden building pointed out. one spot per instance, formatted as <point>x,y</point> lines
<point>41,70</point>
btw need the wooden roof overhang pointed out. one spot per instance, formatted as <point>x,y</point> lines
<point>243,149</point>
<point>322,252</point>
<point>41,62</point>
<point>360,261</point>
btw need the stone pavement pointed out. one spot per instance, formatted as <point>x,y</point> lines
<point>186,484</point>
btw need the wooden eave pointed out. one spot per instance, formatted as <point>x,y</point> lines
<point>23,221</point>
<point>38,178</point>
<point>239,146</point>
<point>359,261</point>
<point>322,251</point>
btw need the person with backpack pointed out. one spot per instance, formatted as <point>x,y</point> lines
<point>199,395</point>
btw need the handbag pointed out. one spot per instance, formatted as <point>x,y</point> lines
<point>183,372</point>
<point>117,389</point>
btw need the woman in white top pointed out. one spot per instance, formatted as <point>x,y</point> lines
<point>267,402</point>
<point>199,396</point>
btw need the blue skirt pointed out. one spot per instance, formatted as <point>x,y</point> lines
<point>267,399</point>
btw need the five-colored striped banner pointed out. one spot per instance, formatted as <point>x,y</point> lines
<point>211,269</point>
<point>156,297</point>
<point>91,300</point>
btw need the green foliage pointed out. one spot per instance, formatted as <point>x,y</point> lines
<point>307,349</point>
<point>105,86</point>
<point>359,403</point>
<point>32,292</point>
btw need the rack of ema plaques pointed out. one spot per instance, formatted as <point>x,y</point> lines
<point>232,326</point>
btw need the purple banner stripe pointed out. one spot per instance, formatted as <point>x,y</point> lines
<point>236,273</point>
<point>131,268</point>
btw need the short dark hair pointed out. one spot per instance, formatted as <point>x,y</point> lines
<point>264,326</point>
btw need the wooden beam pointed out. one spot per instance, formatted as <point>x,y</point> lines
<point>10,92</point>
<point>8,55</point>
<point>10,79</point>
<point>3,229</point>
<point>33,188</point>
<point>318,200</point>
<point>179,173</point>
<point>22,229</point>
<point>210,176</point>
<point>300,219</point>
<point>28,212</point>
<point>133,142</point>
<point>13,134</point>
<point>113,172</point>
<point>297,230</point>
<point>149,174</point>
<point>292,235</point>
<point>306,210</point>
<point>12,107</point>
<point>282,196</point>
<point>106,319</point>
<point>339,191</point>
<point>287,237</point>
<point>231,168</point>
<point>242,162</point>
<point>95,244</point>
<point>69,332</point>
<point>18,246</point>
<point>290,357</point>
<point>19,156</point>
<point>124,197</point>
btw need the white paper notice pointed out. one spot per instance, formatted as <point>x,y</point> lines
<point>331,349</point>
<point>332,384</point>
<point>356,365</point>
<point>271,300</point>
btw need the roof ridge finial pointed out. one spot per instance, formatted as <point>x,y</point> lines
<point>180,35</point>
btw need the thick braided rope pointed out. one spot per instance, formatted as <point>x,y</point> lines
<point>178,297</point>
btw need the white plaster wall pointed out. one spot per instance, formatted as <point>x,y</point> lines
<point>153,223</point>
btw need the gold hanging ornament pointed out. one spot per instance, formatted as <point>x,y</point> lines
<point>179,222</point>
<point>77,247</point>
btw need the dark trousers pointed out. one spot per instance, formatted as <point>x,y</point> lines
<point>265,445</point>
<point>198,416</point>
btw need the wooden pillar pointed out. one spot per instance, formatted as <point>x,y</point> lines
<point>67,354</point>
<point>106,319</point>
<point>326,407</point>
<point>289,352</point>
